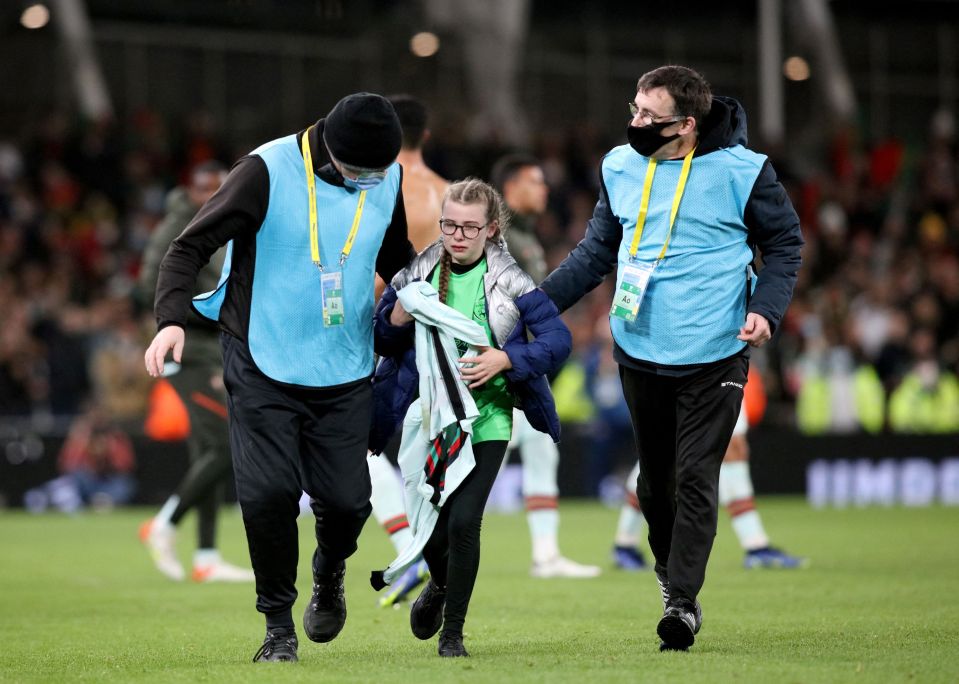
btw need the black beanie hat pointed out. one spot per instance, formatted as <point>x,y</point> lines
<point>363,130</point>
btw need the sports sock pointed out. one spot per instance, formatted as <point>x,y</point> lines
<point>304,504</point>
<point>736,494</point>
<point>163,517</point>
<point>540,458</point>
<point>631,516</point>
<point>205,557</point>
<point>387,501</point>
<point>543,528</point>
<point>630,523</point>
<point>400,533</point>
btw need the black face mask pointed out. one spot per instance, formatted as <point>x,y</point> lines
<point>647,139</point>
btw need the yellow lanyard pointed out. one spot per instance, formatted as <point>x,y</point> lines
<point>644,204</point>
<point>311,187</point>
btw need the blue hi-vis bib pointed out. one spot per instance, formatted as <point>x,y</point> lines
<point>695,301</point>
<point>286,337</point>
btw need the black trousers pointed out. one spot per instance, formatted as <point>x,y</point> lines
<point>453,550</point>
<point>682,427</point>
<point>208,444</point>
<point>285,440</point>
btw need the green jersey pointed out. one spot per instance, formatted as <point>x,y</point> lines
<point>493,399</point>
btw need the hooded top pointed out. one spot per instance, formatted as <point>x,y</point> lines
<point>724,126</point>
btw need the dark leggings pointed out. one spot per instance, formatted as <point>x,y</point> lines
<point>453,551</point>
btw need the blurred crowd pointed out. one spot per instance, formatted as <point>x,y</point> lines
<point>871,342</point>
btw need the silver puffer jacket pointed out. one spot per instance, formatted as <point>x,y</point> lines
<point>504,282</point>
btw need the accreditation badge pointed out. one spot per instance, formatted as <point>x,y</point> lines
<point>629,294</point>
<point>331,283</point>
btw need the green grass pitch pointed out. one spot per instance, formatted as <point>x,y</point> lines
<point>81,602</point>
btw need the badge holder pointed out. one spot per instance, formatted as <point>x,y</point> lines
<point>629,294</point>
<point>332,288</point>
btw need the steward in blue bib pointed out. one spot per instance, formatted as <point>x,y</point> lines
<point>681,209</point>
<point>703,286</point>
<point>270,289</point>
<point>309,219</point>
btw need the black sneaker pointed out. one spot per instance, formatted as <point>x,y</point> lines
<point>451,645</point>
<point>679,625</point>
<point>426,614</point>
<point>326,614</point>
<point>278,646</point>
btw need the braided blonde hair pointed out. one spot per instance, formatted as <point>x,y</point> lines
<point>473,191</point>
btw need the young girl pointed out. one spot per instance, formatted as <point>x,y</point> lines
<point>474,274</point>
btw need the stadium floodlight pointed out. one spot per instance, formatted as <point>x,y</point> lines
<point>796,69</point>
<point>424,44</point>
<point>35,16</point>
